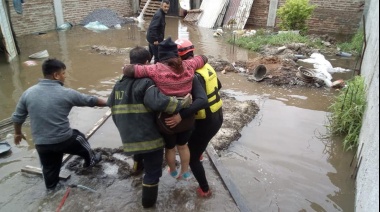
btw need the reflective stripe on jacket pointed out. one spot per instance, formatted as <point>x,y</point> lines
<point>133,104</point>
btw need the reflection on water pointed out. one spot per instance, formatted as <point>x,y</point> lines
<point>279,163</point>
<point>182,31</point>
<point>281,155</point>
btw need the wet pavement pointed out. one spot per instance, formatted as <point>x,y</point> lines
<point>280,163</point>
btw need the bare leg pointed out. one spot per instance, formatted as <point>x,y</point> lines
<point>170,158</point>
<point>184,154</point>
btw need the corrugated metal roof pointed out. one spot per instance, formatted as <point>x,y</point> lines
<point>211,11</point>
<point>239,10</point>
<point>243,13</point>
<point>219,21</point>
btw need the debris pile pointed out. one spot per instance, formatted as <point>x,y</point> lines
<point>106,17</point>
<point>105,50</point>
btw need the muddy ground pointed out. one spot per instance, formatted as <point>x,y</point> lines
<point>112,186</point>
<point>113,176</point>
<point>115,170</point>
<point>280,63</point>
<point>237,114</point>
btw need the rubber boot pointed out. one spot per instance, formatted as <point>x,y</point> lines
<point>149,195</point>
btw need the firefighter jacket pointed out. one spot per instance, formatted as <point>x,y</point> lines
<point>211,84</point>
<point>133,104</point>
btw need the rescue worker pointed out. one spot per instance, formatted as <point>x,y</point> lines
<point>174,77</point>
<point>208,121</point>
<point>133,103</point>
<point>156,31</point>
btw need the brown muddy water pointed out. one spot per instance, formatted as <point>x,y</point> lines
<point>280,163</point>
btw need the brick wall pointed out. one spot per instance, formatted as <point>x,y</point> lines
<point>330,16</point>
<point>38,15</point>
<point>75,10</point>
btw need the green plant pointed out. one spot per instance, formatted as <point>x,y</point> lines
<point>356,43</point>
<point>294,14</point>
<point>347,113</point>
<point>261,39</point>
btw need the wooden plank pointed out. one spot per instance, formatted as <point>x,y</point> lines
<point>6,126</point>
<point>231,187</point>
<point>35,170</point>
<point>6,122</point>
<point>5,130</point>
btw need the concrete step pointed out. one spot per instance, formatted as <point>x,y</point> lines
<point>152,7</point>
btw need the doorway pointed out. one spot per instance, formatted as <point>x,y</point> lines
<point>174,8</point>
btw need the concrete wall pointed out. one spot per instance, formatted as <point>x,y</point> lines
<point>38,15</point>
<point>330,16</point>
<point>367,182</point>
<point>6,36</point>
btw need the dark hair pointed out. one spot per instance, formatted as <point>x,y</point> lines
<point>139,55</point>
<point>165,1</point>
<point>52,65</point>
<point>188,55</point>
<point>175,63</point>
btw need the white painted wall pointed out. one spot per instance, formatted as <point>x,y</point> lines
<point>5,28</point>
<point>367,182</point>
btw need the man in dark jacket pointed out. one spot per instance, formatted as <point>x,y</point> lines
<point>156,31</point>
<point>133,103</point>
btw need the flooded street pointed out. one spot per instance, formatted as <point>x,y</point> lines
<point>280,163</point>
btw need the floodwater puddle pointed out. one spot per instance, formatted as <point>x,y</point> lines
<point>278,159</point>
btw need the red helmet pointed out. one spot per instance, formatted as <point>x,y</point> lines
<point>184,46</point>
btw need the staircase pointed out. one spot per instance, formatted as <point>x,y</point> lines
<point>152,7</point>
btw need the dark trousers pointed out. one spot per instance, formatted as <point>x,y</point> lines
<point>152,166</point>
<point>153,49</point>
<point>204,130</point>
<point>51,156</point>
